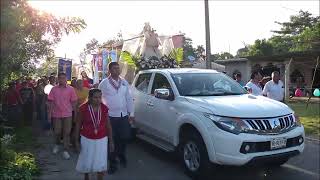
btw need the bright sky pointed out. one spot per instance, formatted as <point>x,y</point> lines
<point>232,23</point>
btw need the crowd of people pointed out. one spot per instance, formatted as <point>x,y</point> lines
<point>271,87</point>
<point>94,119</point>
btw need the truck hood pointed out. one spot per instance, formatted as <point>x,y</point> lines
<point>242,106</point>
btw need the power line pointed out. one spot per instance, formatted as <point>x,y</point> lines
<point>289,9</point>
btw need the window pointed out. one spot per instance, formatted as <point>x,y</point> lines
<point>206,84</point>
<point>142,83</point>
<point>160,81</point>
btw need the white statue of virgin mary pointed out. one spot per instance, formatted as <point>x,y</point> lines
<point>151,43</point>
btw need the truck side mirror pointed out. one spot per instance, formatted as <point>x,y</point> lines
<point>164,94</point>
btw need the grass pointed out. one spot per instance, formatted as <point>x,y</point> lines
<point>309,117</point>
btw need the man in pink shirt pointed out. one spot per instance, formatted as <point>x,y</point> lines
<point>62,99</point>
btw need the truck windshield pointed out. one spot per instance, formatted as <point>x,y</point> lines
<point>206,84</point>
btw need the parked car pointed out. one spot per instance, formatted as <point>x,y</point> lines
<point>208,119</point>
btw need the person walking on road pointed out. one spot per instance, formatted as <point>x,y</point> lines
<point>41,103</point>
<point>82,92</point>
<point>47,90</point>
<point>12,102</point>
<point>87,82</point>
<point>94,128</point>
<point>28,104</point>
<point>237,77</point>
<point>117,96</point>
<point>82,95</point>
<point>52,83</point>
<point>61,101</point>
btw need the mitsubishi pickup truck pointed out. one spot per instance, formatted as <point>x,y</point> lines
<point>208,119</point>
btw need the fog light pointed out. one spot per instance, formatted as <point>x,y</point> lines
<point>247,148</point>
<point>300,140</point>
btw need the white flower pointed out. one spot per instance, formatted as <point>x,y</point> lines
<point>6,139</point>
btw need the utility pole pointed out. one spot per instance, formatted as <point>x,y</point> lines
<point>207,24</point>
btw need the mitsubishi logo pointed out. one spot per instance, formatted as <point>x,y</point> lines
<point>276,124</point>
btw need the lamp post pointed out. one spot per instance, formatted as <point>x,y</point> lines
<point>207,24</point>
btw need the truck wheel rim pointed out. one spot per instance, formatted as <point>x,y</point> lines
<point>191,156</point>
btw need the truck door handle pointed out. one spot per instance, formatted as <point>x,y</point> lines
<point>149,104</point>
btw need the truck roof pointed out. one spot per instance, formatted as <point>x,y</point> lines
<point>182,70</point>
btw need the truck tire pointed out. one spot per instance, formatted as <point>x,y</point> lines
<point>193,155</point>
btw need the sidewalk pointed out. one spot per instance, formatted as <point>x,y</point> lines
<point>54,167</point>
<point>145,162</point>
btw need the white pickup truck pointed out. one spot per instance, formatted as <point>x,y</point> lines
<point>208,118</point>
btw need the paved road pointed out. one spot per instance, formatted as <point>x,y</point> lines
<point>149,163</point>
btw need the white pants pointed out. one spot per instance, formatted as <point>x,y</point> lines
<point>93,156</point>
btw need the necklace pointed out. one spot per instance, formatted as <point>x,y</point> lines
<point>95,120</point>
<point>111,81</point>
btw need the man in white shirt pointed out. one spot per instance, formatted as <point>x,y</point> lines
<point>48,87</point>
<point>274,89</point>
<point>254,85</point>
<point>117,96</point>
<point>47,90</point>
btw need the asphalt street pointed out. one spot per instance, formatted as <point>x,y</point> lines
<point>148,162</point>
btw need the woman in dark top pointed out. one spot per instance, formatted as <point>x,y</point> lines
<point>12,104</point>
<point>28,103</point>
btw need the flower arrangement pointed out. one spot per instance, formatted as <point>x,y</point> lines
<point>173,60</point>
<point>154,62</point>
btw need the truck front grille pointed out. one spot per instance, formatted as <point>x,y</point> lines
<point>272,125</point>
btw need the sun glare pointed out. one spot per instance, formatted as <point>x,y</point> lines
<point>52,7</point>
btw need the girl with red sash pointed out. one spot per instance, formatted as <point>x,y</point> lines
<point>94,127</point>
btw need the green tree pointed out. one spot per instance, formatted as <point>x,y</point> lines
<point>92,45</point>
<point>242,52</point>
<point>280,44</point>
<point>309,39</point>
<point>260,48</point>
<point>223,55</point>
<point>47,67</point>
<point>188,49</point>
<point>301,33</point>
<point>28,35</point>
<point>297,24</point>
<point>199,51</point>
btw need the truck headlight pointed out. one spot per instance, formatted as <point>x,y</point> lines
<point>232,125</point>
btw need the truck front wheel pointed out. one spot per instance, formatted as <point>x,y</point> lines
<point>193,154</point>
